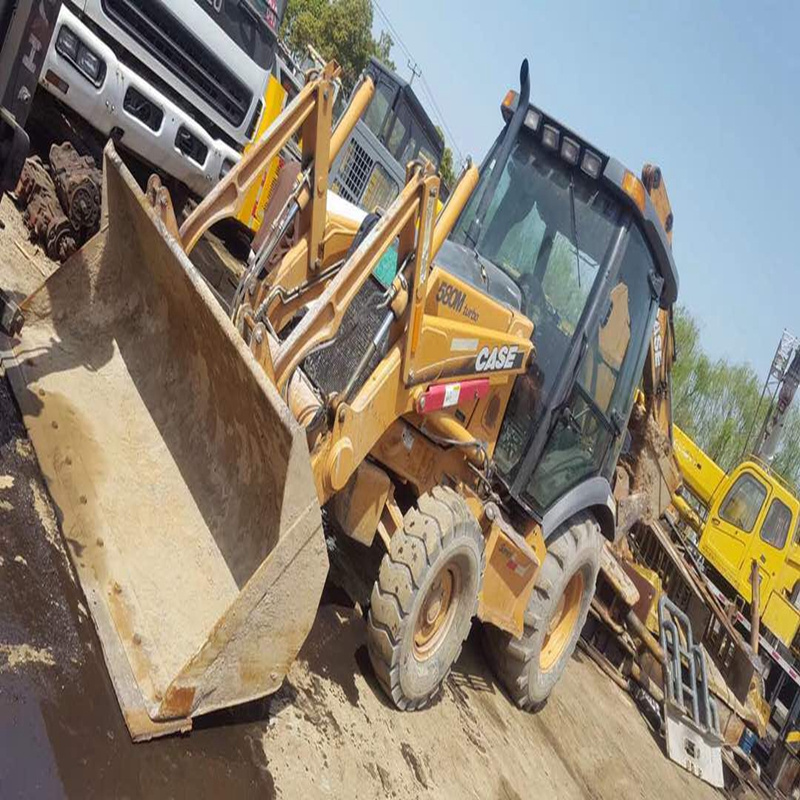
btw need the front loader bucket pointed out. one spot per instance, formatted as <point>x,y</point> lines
<point>182,478</point>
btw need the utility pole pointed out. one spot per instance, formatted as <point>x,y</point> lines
<point>415,71</point>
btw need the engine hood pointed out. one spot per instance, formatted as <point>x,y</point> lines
<point>478,272</point>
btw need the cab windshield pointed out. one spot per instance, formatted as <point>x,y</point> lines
<point>252,24</point>
<point>549,227</point>
<point>584,269</point>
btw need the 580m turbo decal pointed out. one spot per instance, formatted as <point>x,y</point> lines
<point>456,299</point>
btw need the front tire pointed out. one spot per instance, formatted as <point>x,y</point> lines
<point>529,667</point>
<point>425,597</point>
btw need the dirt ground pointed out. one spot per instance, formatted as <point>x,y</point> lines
<point>327,733</point>
<point>589,741</point>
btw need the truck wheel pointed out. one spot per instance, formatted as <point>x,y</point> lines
<point>425,597</point>
<point>529,667</point>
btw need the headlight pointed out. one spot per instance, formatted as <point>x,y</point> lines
<point>550,136</point>
<point>591,164</point>
<point>86,61</point>
<point>227,166</point>
<point>67,43</point>
<point>89,64</point>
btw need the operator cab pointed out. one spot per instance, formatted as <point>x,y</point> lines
<point>395,129</point>
<point>570,239</point>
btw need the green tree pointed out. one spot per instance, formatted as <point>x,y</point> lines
<point>446,169</point>
<point>340,29</point>
<point>717,404</point>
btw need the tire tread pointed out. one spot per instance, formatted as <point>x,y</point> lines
<point>427,529</point>
<point>510,657</point>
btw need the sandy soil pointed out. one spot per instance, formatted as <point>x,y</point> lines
<point>330,731</point>
<point>327,733</point>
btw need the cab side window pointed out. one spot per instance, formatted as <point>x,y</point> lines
<point>743,503</point>
<point>379,107</point>
<point>583,441</point>
<point>776,525</point>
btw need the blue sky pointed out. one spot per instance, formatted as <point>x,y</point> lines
<point>708,91</point>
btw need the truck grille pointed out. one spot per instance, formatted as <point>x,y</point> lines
<point>182,53</point>
<point>363,181</point>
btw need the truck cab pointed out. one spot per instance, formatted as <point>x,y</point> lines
<point>371,167</point>
<point>753,517</point>
<point>181,83</point>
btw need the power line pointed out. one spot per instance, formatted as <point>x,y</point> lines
<point>398,39</point>
<point>441,117</point>
<point>425,85</point>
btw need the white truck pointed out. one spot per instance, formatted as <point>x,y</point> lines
<point>178,82</point>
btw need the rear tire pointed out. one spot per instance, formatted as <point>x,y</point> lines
<point>425,597</point>
<point>529,667</point>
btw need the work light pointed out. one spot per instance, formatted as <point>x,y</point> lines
<point>570,151</point>
<point>550,137</point>
<point>591,164</point>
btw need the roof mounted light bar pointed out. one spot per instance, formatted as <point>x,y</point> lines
<point>554,138</point>
<point>573,150</point>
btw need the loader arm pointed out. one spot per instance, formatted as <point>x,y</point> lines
<point>309,115</point>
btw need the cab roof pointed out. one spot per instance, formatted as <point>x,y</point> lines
<point>612,173</point>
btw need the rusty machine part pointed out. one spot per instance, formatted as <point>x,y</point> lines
<point>78,184</point>
<point>43,213</point>
<point>625,629</point>
<point>11,318</point>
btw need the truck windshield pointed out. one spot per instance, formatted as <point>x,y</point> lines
<point>252,24</point>
<point>529,232</point>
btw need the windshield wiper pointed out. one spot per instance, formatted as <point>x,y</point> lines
<point>574,223</point>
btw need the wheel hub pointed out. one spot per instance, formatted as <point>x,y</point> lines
<point>434,608</point>
<point>437,612</point>
<point>562,623</point>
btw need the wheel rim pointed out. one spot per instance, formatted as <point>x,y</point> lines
<point>437,612</point>
<point>562,623</point>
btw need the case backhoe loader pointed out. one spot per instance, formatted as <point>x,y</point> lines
<point>452,386</point>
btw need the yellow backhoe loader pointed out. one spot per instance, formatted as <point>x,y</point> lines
<point>452,386</point>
